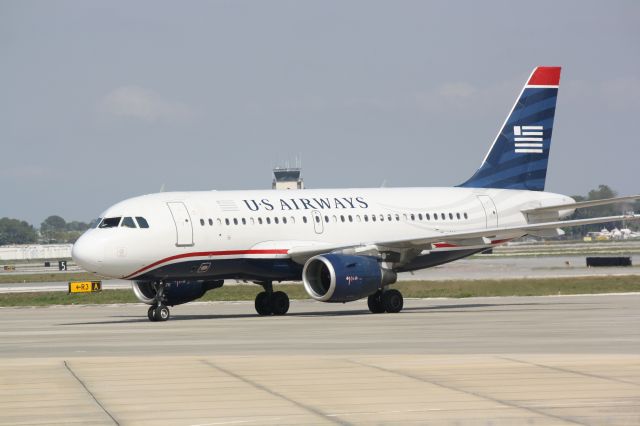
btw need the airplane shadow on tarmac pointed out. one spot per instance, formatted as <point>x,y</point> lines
<point>460,308</point>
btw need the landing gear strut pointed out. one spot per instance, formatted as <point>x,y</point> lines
<point>158,311</point>
<point>269,302</point>
<point>385,301</point>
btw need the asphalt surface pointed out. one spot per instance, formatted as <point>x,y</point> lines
<point>516,360</point>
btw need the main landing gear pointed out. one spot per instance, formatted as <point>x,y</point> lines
<point>385,301</point>
<point>158,311</point>
<point>269,302</point>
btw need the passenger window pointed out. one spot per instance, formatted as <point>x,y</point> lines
<point>342,218</point>
<point>366,218</point>
<point>413,216</point>
<point>210,222</point>
<point>259,221</point>
<point>201,222</point>
<point>110,222</point>
<point>358,218</point>
<point>381,218</point>
<point>226,221</point>
<point>304,219</point>
<point>275,220</point>
<point>284,220</point>
<point>326,219</point>
<point>373,217</point>
<point>451,216</point>
<point>293,219</point>
<point>427,216</point>
<point>465,216</point>
<point>458,216</point>
<point>235,221</point>
<point>252,221</point>
<point>128,222</point>
<point>335,218</point>
<point>397,217</point>
<point>244,221</point>
<point>219,221</point>
<point>442,216</point>
<point>389,218</point>
<point>419,216</point>
<point>350,218</point>
<point>268,221</point>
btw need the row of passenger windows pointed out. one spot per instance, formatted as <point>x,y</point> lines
<point>123,222</point>
<point>342,218</point>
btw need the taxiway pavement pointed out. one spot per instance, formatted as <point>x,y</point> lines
<point>515,360</point>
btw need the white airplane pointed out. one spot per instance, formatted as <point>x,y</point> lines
<point>344,244</point>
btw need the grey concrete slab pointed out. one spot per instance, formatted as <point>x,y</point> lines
<point>532,360</point>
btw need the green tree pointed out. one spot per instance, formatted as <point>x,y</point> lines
<point>14,231</point>
<point>53,229</point>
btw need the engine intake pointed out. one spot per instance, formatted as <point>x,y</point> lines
<point>342,278</point>
<point>175,292</point>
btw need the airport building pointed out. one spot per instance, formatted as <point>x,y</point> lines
<point>287,178</point>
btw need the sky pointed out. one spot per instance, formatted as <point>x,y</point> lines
<point>102,101</point>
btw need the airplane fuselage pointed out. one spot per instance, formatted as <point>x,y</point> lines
<point>247,234</point>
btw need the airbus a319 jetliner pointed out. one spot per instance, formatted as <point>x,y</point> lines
<point>344,244</point>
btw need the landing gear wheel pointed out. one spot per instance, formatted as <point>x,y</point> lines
<point>161,313</point>
<point>263,304</point>
<point>279,303</point>
<point>392,301</point>
<point>375,303</point>
<point>151,314</point>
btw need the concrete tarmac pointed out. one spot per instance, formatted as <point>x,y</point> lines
<point>515,360</point>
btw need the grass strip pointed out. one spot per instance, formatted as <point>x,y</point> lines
<point>416,289</point>
<point>48,277</point>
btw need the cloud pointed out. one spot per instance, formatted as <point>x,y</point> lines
<point>144,104</point>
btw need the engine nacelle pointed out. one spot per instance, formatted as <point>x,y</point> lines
<point>175,292</point>
<point>344,278</point>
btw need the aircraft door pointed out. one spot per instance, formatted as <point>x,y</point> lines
<point>490,211</point>
<point>318,225</point>
<point>182,220</point>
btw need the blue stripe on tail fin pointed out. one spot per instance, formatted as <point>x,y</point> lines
<point>519,155</point>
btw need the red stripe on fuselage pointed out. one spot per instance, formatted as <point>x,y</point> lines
<point>207,253</point>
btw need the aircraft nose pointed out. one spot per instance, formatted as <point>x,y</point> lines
<point>87,253</point>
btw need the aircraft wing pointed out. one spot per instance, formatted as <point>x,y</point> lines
<point>583,204</point>
<point>466,238</point>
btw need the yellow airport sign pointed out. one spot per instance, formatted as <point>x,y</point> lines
<point>84,286</point>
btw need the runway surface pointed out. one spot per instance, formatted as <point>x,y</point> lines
<point>517,360</point>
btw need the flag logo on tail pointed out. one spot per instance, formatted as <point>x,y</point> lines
<point>528,139</point>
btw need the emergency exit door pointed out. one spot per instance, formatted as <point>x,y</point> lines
<point>182,220</point>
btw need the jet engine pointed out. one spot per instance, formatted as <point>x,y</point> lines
<point>175,292</point>
<point>344,278</point>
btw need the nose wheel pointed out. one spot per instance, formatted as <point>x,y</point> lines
<point>158,311</point>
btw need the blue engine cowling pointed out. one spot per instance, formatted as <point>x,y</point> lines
<point>175,292</point>
<point>344,278</point>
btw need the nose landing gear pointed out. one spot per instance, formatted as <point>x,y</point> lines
<point>158,311</point>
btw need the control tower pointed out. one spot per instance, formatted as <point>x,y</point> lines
<point>287,178</point>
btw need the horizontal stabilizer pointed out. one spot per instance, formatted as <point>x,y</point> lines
<point>584,204</point>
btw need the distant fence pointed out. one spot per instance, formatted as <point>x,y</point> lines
<point>35,252</point>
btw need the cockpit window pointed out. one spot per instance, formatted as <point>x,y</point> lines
<point>95,222</point>
<point>128,222</point>
<point>142,222</point>
<point>110,222</point>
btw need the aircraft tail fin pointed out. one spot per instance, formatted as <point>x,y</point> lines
<point>519,155</point>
